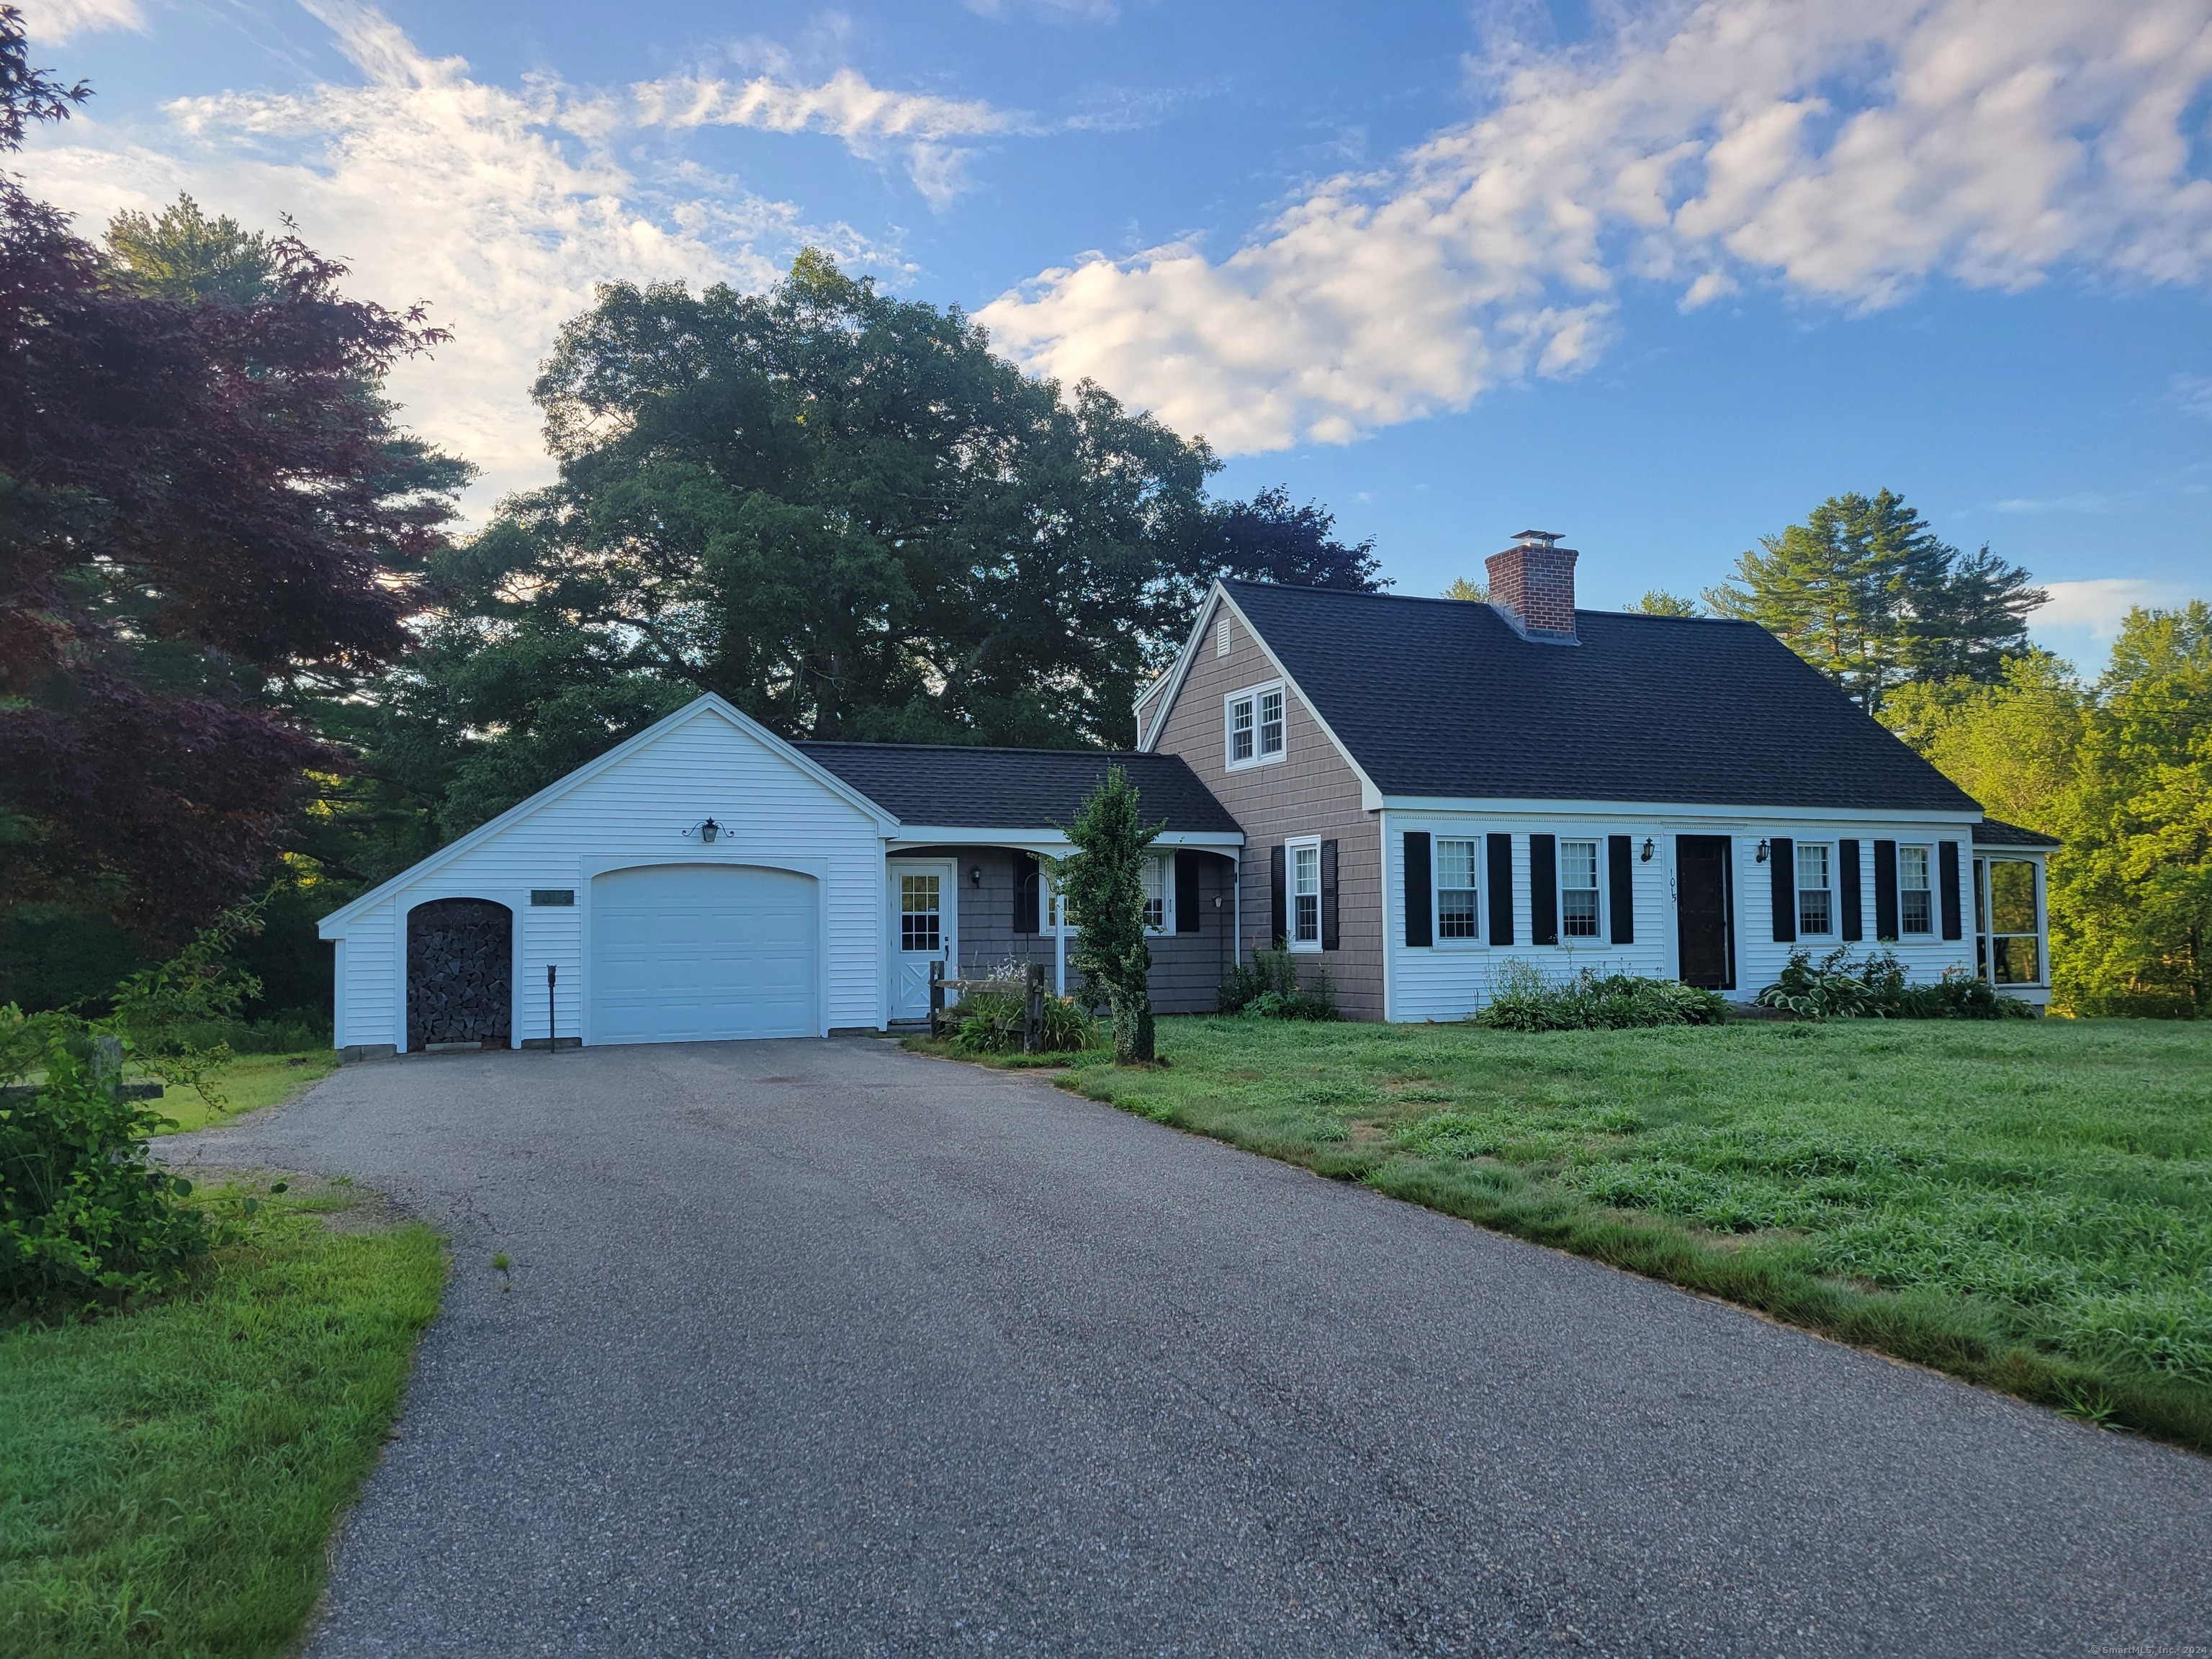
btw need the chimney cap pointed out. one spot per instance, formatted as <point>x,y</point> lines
<point>1528,538</point>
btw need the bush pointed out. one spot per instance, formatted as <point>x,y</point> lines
<point>85,1219</point>
<point>1523,1000</point>
<point>1267,987</point>
<point>1835,987</point>
<point>992,1014</point>
<point>2140,1003</point>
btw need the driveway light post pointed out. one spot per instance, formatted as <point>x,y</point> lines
<point>552,1036</point>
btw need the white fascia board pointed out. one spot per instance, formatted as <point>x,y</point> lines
<point>1473,807</point>
<point>923,835</point>
<point>1371,796</point>
<point>333,925</point>
<point>1170,684</point>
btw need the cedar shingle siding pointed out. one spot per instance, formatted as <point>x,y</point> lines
<point>1312,791</point>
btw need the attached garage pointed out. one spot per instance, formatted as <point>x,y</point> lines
<point>703,952</point>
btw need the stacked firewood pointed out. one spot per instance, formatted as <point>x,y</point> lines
<point>459,973</point>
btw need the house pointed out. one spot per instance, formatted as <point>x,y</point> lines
<point>1435,789</point>
<point>1410,794</point>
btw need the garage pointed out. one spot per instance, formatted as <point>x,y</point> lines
<point>703,952</point>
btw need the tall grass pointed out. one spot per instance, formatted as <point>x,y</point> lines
<point>169,1478</point>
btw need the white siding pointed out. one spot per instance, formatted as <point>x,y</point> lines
<point>636,811</point>
<point>1451,980</point>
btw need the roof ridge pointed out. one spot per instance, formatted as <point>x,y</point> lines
<point>974,748</point>
<point>1443,598</point>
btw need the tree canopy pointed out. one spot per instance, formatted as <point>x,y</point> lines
<point>205,506</point>
<point>841,511</point>
<point>1869,594</point>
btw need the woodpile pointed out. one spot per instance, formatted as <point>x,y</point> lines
<point>461,973</point>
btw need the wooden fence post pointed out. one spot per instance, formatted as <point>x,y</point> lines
<point>936,999</point>
<point>1033,1009</point>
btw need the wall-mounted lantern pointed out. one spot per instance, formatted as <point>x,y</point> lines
<point>1761,856</point>
<point>1648,849</point>
<point>706,830</point>
<point>974,875</point>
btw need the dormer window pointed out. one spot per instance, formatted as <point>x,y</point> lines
<point>1254,726</point>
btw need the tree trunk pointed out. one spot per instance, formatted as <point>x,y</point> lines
<point>1134,1041</point>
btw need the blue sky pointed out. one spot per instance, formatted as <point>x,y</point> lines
<point>1659,278</point>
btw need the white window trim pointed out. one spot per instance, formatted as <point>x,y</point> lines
<point>1291,941</point>
<point>1481,939</point>
<point>1228,716</point>
<point>1834,891</point>
<point>1167,922</point>
<point>1935,895</point>
<point>1560,889</point>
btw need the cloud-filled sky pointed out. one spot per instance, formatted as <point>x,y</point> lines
<point>1659,277</point>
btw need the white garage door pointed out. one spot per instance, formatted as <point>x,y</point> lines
<point>698,952</point>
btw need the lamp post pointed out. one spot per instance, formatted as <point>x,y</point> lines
<point>552,1034</point>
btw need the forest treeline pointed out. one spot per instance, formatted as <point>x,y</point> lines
<point>243,648</point>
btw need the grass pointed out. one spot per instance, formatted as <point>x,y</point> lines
<point>248,1083</point>
<point>2025,1205</point>
<point>170,1477</point>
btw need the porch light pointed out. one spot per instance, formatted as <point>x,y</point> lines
<point>1647,849</point>
<point>1761,857</point>
<point>974,875</point>
<point>706,830</point>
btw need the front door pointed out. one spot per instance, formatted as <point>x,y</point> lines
<point>1703,889</point>
<point>923,928</point>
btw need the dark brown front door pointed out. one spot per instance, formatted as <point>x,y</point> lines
<point>1703,894</point>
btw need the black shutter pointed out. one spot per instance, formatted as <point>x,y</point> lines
<point>1782,875</point>
<point>1620,878</point>
<point>1947,864</point>
<point>1027,909</point>
<point>1188,919</point>
<point>1847,888</point>
<point>1328,895</point>
<point>1885,891</point>
<point>1501,890</point>
<point>1278,897</point>
<point>1420,905</point>
<point>1544,889</point>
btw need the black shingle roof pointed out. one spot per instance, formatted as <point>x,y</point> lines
<point>1995,832</point>
<point>949,785</point>
<point>1442,697</point>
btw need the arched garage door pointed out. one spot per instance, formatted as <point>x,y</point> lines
<point>698,952</point>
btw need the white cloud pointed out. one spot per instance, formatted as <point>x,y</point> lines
<point>870,119</point>
<point>1079,11</point>
<point>50,23</point>
<point>2193,394</point>
<point>2096,608</point>
<point>1847,150</point>
<point>433,186</point>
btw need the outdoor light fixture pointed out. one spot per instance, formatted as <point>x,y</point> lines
<point>1761,857</point>
<point>974,875</point>
<point>1647,849</point>
<point>706,830</point>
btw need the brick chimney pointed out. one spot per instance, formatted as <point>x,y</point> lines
<point>1532,584</point>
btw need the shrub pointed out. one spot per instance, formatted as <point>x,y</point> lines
<point>1267,987</point>
<point>2147,1002</point>
<point>1835,987</point>
<point>1524,1000</point>
<point>85,1219</point>
<point>992,1013</point>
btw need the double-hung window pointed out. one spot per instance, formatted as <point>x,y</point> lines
<point>1159,891</point>
<point>1578,889</point>
<point>1456,888</point>
<point>1305,896</point>
<point>1916,906</point>
<point>1816,907</point>
<point>1254,725</point>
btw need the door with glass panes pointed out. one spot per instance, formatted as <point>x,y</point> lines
<point>924,930</point>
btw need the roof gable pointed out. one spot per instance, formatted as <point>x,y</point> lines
<point>1443,699</point>
<point>706,707</point>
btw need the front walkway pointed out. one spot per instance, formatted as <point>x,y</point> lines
<point>824,1348</point>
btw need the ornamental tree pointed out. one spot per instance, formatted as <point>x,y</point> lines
<point>207,515</point>
<point>1103,883</point>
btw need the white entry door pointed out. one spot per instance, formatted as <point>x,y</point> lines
<point>703,952</point>
<point>924,929</point>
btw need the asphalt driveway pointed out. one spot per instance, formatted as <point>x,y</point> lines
<point>820,1347</point>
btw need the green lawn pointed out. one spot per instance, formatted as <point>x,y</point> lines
<point>2028,1204</point>
<point>169,1478</point>
<point>248,1083</point>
